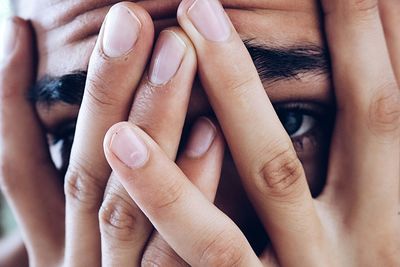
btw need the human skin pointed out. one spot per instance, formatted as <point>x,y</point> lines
<point>271,95</point>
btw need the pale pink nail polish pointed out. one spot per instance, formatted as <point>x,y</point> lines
<point>201,139</point>
<point>129,148</point>
<point>209,18</point>
<point>168,55</point>
<point>8,38</point>
<point>122,29</point>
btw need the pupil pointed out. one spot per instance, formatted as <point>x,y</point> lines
<point>292,121</point>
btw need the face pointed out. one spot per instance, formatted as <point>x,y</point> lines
<point>283,37</point>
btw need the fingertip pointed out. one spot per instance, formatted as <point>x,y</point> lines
<point>191,55</point>
<point>184,21</point>
<point>173,58</point>
<point>182,36</point>
<point>125,145</point>
<point>207,18</point>
<point>126,28</point>
<point>142,14</point>
<point>108,139</point>
<point>16,41</point>
<point>201,138</point>
<point>204,171</point>
<point>16,58</point>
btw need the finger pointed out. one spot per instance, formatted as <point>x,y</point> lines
<point>203,168</point>
<point>160,107</point>
<point>162,100</point>
<point>13,252</point>
<point>200,233</point>
<point>389,10</point>
<point>124,228</point>
<point>366,141</point>
<point>271,172</point>
<point>193,162</point>
<point>28,177</point>
<point>115,69</point>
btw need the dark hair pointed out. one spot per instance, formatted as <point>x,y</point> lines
<point>68,89</point>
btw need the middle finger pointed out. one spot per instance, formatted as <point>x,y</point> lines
<point>115,69</point>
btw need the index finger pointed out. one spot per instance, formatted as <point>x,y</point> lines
<point>263,152</point>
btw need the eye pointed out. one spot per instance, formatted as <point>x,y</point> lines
<point>297,123</point>
<point>301,119</point>
<point>309,125</point>
<point>61,144</point>
<point>65,135</point>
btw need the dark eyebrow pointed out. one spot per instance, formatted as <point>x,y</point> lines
<point>273,63</point>
<point>67,88</point>
<point>276,63</point>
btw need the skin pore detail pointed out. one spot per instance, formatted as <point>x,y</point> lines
<point>287,47</point>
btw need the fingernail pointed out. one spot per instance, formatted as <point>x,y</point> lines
<point>122,29</point>
<point>168,56</point>
<point>8,38</point>
<point>202,136</point>
<point>129,148</point>
<point>209,18</point>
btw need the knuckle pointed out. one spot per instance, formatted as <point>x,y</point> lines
<point>160,254</point>
<point>168,196</point>
<point>224,249</point>
<point>363,5</point>
<point>384,112</point>
<point>82,189</point>
<point>99,92</point>
<point>353,8</point>
<point>280,175</point>
<point>147,261</point>
<point>119,220</point>
<point>241,87</point>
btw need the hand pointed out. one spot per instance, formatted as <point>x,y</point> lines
<point>115,77</point>
<point>354,222</point>
<point>13,251</point>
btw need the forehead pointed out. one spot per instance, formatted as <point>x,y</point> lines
<point>66,30</point>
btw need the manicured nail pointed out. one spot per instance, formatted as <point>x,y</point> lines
<point>129,148</point>
<point>122,29</point>
<point>209,18</point>
<point>8,38</point>
<point>168,55</point>
<point>202,136</point>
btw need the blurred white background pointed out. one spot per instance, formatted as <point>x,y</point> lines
<point>5,9</point>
